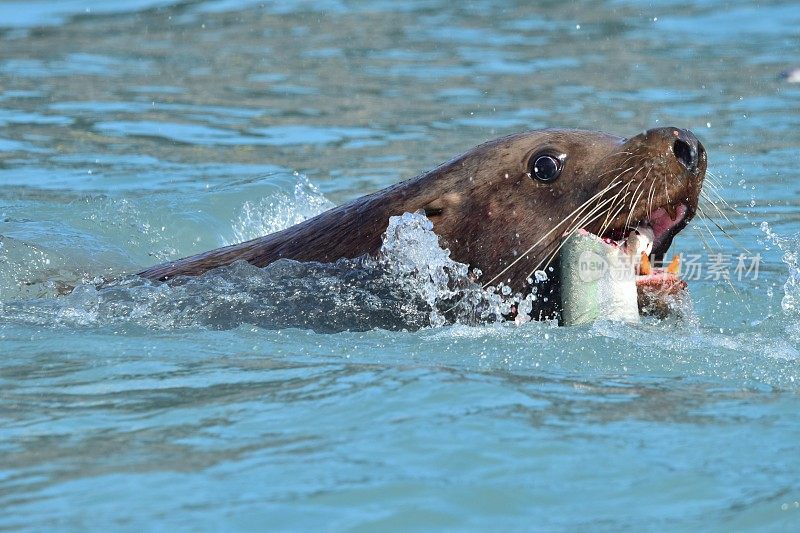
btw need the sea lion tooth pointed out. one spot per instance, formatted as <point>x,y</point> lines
<point>639,241</point>
<point>674,266</point>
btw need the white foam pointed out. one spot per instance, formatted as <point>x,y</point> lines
<point>279,211</point>
<point>790,302</point>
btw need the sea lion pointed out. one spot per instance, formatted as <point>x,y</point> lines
<point>504,206</point>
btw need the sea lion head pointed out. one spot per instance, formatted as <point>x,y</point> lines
<point>505,206</point>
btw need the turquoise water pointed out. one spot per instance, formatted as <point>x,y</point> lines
<point>137,131</point>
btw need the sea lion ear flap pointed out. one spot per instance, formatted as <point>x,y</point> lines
<point>434,209</point>
<point>437,207</point>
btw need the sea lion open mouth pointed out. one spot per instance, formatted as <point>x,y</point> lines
<point>660,190</point>
<point>504,206</point>
<point>663,224</point>
<point>649,238</point>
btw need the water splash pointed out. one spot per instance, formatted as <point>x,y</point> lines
<point>279,211</point>
<point>77,238</point>
<point>789,246</point>
<point>412,284</point>
<point>411,252</point>
<point>123,219</point>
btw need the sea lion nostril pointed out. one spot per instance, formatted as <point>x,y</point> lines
<point>686,154</point>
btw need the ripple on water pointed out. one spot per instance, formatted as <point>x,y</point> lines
<point>134,405</point>
<point>15,14</point>
<point>16,116</point>
<point>203,134</point>
<point>81,64</point>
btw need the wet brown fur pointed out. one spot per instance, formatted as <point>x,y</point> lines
<point>484,205</point>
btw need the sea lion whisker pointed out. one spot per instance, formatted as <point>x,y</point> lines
<point>708,248</point>
<point>634,204</point>
<point>537,243</point>
<point>714,186</point>
<point>578,210</point>
<point>651,194</point>
<point>635,199</point>
<point>613,205</point>
<point>713,178</point>
<point>724,231</point>
<point>641,182</point>
<point>704,218</point>
<point>712,181</point>
<point>621,164</point>
<point>666,189</point>
<point>582,222</point>
<point>553,255</point>
<point>622,173</point>
<point>719,210</point>
<point>725,275</point>
<point>726,203</point>
<point>610,171</point>
<point>582,213</point>
<point>702,238</point>
<point>709,200</point>
<point>579,219</point>
<point>618,170</point>
<point>587,219</point>
<point>610,219</point>
<point>548,258</point>
<point>575,226</point>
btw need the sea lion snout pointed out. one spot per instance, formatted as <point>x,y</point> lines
<point>682,144</point>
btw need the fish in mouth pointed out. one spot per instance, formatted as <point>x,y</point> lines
<point>614,279</point>
<point>505,206</point>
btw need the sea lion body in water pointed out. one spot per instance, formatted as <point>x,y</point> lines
<point>504,206</point>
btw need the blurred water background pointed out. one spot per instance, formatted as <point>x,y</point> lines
<point>136,131</point>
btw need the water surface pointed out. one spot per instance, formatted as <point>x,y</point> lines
<point>138,131</point>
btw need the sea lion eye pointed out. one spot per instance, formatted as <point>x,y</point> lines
<point>545,168</point>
